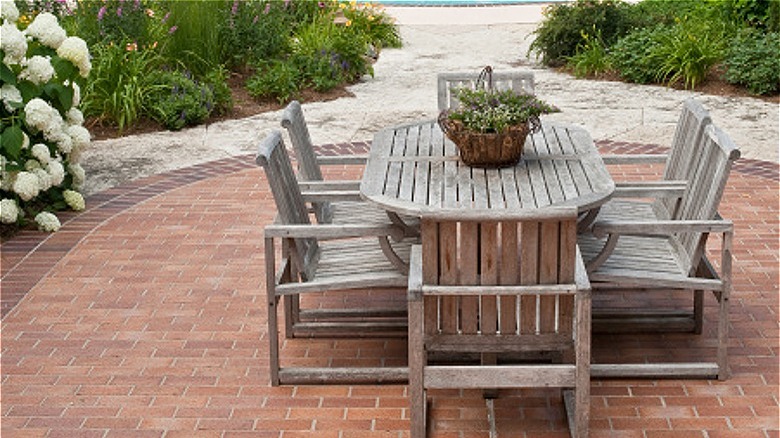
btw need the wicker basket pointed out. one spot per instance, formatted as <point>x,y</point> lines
<point>489,150</point>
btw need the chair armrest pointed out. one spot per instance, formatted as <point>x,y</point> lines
<point>331,160</point>
<point>650,189</point>
<point>615,159</point>
<point>329,185</point>
<point>330,196</point>
<point>328,231</point>
<point>415,285</point>
<point>660,228</point>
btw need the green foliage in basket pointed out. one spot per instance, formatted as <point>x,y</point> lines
<point>487,110</point>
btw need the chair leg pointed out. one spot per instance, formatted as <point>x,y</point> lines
<point>723,336</point>
<point>272,301</point>
<point>291,314</point>
<point>417,359</point>
<point>698,311</point>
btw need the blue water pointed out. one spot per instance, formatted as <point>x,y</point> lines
<point>456,2</point>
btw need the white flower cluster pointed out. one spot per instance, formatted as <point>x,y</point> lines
<point>9,211</point>
<point>47,221</point>
<point>56,134</point>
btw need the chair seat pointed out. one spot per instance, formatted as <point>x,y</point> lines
<point>343,259</point>
<point>625,210</point>
<point>633,257</point>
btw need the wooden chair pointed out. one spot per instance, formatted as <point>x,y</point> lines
<point>511,80</point>
<point>325,257</point>
<point>658,255</point>
<point>349,208</point>
<point>680,166</point>
<point>499,290</point>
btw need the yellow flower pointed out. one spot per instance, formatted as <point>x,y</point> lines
<point>131,47</point>
<point>370,18</point>
<point>348,23</point>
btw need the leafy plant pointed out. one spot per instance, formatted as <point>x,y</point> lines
<point>193,42</point>
<point>560,33</point>
<point>178,100</point>
<point>752,60</point>
<point>120,85</point>
<point>592,57</point>
<point>41,132</point>
<point>485,110</point>
<point>631,57</point>
<point>277,79</point>
<point>688,51</point>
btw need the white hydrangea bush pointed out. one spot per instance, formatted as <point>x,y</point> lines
<point>40,123</point>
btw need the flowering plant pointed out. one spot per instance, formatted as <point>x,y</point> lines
<point>40,123</point>
<point>486,110</point>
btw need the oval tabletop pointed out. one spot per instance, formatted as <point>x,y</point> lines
<point>414,169</point>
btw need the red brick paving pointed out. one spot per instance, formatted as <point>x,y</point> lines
<point>144,316</point>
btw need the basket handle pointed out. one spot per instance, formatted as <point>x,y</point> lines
<point>486,75</point>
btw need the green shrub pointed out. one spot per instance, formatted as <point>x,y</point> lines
<point>255,30</point>
<point>631,57</point>
<point>118,87</point>
<point>752,61</point>
<point>687,51</point>
<point>275,79</point>
<point>373,24</point>
<point>193,42</point>
<point>759,14</point>
<point>560,33</point>
<point>591,59</point>
<point>178,100</point>
<point>217,80</point>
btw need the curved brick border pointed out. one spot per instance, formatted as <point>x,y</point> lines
<point>30,255</point>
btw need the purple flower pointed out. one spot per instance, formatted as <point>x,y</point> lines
<point>118,12</point>
<point>321,4</point>
<point>101,13</point>
<point>172,30</point>
<point>234,9</point>
<point>254,20</point>
<point>267,9</point>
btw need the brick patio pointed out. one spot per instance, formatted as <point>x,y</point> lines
<point>144,316</point>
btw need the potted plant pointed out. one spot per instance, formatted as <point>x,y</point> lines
<point>490,126</point>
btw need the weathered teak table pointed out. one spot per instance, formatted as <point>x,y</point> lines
<point>414,170</point>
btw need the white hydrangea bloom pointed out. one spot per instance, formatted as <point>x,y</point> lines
<point>9,211</point>
<point>57,172</point>
<point>13,44</point>
<point>41,152</point>
<point>38,71</point>
<point>74,200</point>
<point>25,140</point>
<point>9,11</point>
<point>74,116</point>
<point>32,165</point>
<point>75,50</point>
<point>44,179</point>
<point>38,114</point>
<point>80,136</point>
<point>26,185</point>
<point>10,94</point>
<point>47,30</point>
<point>77,172</point>
<point>47,221</point>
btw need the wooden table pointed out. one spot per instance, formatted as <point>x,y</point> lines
<point>414,170</point>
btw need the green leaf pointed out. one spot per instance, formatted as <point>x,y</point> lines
<point>29,90</point>
<point>60,95</point>
<point>12,140</point>
<point>6,74</point>
<point>64,68</point>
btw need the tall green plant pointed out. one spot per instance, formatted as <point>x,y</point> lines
<point>119,84</point>
<point>592,57</point>
<point>688,51</point>
<point>194,41</point>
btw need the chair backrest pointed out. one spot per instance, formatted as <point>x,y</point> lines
<point>273,157</point>
<point>520,81</point>
<point>528,252</point>
<point>684,151</point>
<point>710,172</point>
<point>308,168</point>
